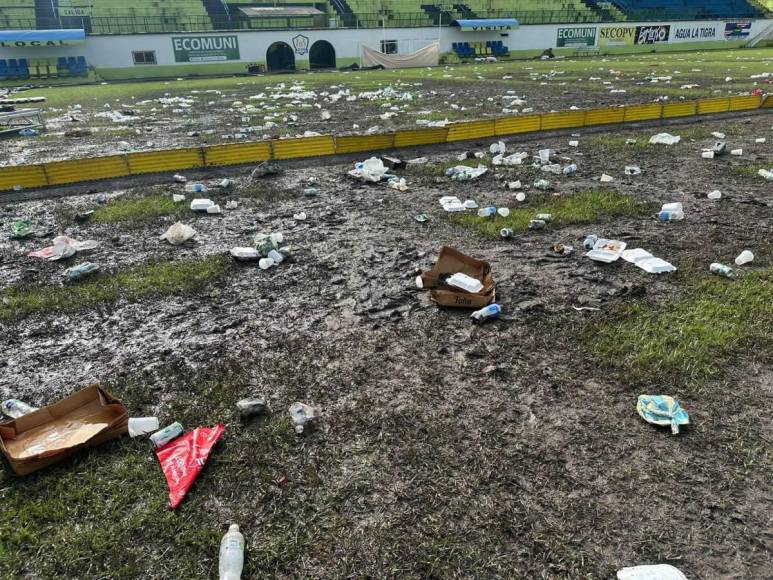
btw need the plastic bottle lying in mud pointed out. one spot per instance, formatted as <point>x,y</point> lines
<point>301,415</point>
<point>165,435</point>
<point>14,408</point>
<point>537,224</point>
<point>231,554</point>
<point>721,270</point>
<point>506,233</point>
<point>545,217</point>
<point>590,241</point>
<point>669,216</point>
<point>488,313</point>
<point>195,187</point>
<point>485,212</point>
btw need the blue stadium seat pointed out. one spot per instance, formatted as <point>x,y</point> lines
<point>13,69</point>
<point>3,69</point>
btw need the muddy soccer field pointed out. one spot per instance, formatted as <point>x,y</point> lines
<point>442,449</point>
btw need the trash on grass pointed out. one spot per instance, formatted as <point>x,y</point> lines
<point>232,204</point>
<point>302,415</point>
<point>231,560</point>
<point>245,254</point>
<point>451,204</point>
<point>63,247</point>
<point>647,262</point>
<point>195,187</point>
<point>721,270</point>
<point>14,408</point>
<point>715,195</point>
<point>452,261</point>
<point>251,406</point>
<point>671,212</point>
<point>606,178</point>
<point>664,139</point>
<point>651,572</point>
<point>632,170</point>
<point>21,229</point>
<point>766,174</point>
<point>662,410</point>
<point>489,312</point>
<point>371,170</point>
<point>606,251</point>
<point>178,233</point>
<point>178,197</point>
<point>81,271</point>
<point>86,418</point>
<point>265,169</point>
<point>465,172</point>
<point>744,258</point>
<point>183,458</point>
<point>142,426</point>
<point>201,204</point>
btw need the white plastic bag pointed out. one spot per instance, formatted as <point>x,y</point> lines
<point>178,234</point>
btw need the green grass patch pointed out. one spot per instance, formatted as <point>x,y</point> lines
<point>141,282</point>
<point>750,171</point>
<point>691,337</point>
<point>137,209</point>
<point>582,208</point>
<point>264,193</point>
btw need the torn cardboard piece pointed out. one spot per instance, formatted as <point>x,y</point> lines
<point>86,418</point>
<point>449,262</point>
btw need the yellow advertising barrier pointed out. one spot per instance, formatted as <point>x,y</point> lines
<point>237,153</point>
<point>470,130</point>
<point>358,143</point>
<point>714,105</point>
<point>170,160</point>
<point>421,137</point>
<point>604,116</point>
<point>304,147</point>
<point>745,103</point>
<point>514,125</point>
<point>22,175</point>
<point>75,170</point>
<point>642,112</point>
<point>563,120</point>
<point>686,109</point>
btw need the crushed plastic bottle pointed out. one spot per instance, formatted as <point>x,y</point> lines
<point>195,187</point>
<point>721,270</point>
<point>81,271</point>
<point>167,434</point>
<point>570,169</point>
<point>302,415</point>
<point>589,241</point>
<point>231,554</point>
<point>486,212</point>
<point>537,224</point>
<point>487,313</point>
<point>14,408</point>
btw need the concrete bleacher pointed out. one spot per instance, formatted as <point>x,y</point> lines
<point>688,9</point>
<point>114,16</point>
<point>14,11</point>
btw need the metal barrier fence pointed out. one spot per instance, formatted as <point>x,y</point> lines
<point>89,169</point>
<point>433,16</point>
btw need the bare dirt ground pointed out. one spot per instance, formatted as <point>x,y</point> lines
<point>444,450</point>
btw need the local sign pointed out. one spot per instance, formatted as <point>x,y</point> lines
<point>207,48</point>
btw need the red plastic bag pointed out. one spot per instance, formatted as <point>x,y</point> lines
<point>182,459</point>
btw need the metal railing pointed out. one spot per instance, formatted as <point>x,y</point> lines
<point>386,19</point>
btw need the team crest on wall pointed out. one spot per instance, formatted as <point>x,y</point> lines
<point>301,44</point>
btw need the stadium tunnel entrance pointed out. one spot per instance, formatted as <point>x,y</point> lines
<point>280,57</point>
<point>322,55</point>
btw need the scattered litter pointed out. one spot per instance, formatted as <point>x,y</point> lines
<point>719,148</point>
<point>503,211</point>
<point>707,154</point>
<point>421,218</point>
<point>736,152</point>
<point>21,229</point>
<point>465,172</point>
<point>300,216</point>
<point>570,169</point>
<point>766,173</point>
<point>265,169</point>
<point>451,204</point>
<point>417,161</point>
<point>760,140</point>
<point>178,234</point>
<point>489,312</point>
<point>714,195</point>
<point>554,168</point>
<point>63,247</point>
<point>506,233</point>
<point>14,408</point>
<point>514,185</point>
<point>574,143</point>
<point>663,139</point>
<point>470,204</point>
<point>537,224</point>
<point>744,257</point>
<point>178,197</point>
<point>606,251</point>
<point>183,458</point>
<point>721,270</point>
<point>486,212</point>
<point>392,162</point>
<point>454,261</point>
<point>653,572</point>
<point>662,410</point>
<point>632,170</point>
<point>201,204</point>
<point>179,178</point>
<point>195,187</point>
<point>245,254</point>
<point>633,141</point>
<point>671,212</point>
<point>165,435</point>
<point>371,170</point>
<point>606,178</point>
<point>84,216</point>
<point>398,184</point>
<point>498,148</point>
<point>252,406</point>
<point>563,249</point>
<point>225,183</point>
<point>88,417</point>
<point>29,132</point>
<point>232,204</point>
<point>520,196</point>
<point>142,426</point>
<point>81,271</point>
<point>231,554</point>
<point>718,135</point>
<point>542,184</point>
<point>514,159</point>
<point>647,262</point>
<point>214,209</point>
<point>302,415</point>
<point>544,156</point>
<point>589,241</point>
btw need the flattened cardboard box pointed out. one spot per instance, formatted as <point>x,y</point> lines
<point>451,261</point>
<point>86,418</point>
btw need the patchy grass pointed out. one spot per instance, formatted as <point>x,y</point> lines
<point>264,193</point>
<point>137,209</point>
<point>618,140</point>
<point>750,171</point>
<point>141,282</point>
<point>581,208</point>
<point>691,337</point>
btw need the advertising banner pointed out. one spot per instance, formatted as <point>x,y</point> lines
<point>576,36</point>
<point>696,32</point>
<point>617,35</point>
<point>207,48</point>
<point>652,34</point>
<point>737,30</point>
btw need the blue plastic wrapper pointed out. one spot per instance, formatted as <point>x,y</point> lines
<point>662,410</point>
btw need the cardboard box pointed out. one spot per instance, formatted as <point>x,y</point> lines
<point>450,262</point>
<point>86,418</point>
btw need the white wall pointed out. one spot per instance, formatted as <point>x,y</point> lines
<point>115,51</point>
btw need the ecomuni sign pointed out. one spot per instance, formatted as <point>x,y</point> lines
<point>205,48</point>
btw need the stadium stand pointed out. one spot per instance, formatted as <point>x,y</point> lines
<point>119,16</point>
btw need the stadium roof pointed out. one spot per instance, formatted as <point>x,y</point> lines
<point>483,24</point>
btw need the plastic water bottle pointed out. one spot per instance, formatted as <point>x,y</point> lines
<point>506,233</point>
<point>231,554</point>
<point>545,217</point>
<point>485,212</point>
<point>489,312</point>
<point>589,241</point>
<point>195,187</point>
<point>14,408</point>
<point>571,168</point>
<point>669,216</point>
<point>537,224</point>
<point>722,270</point>
<point>301,414</point>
